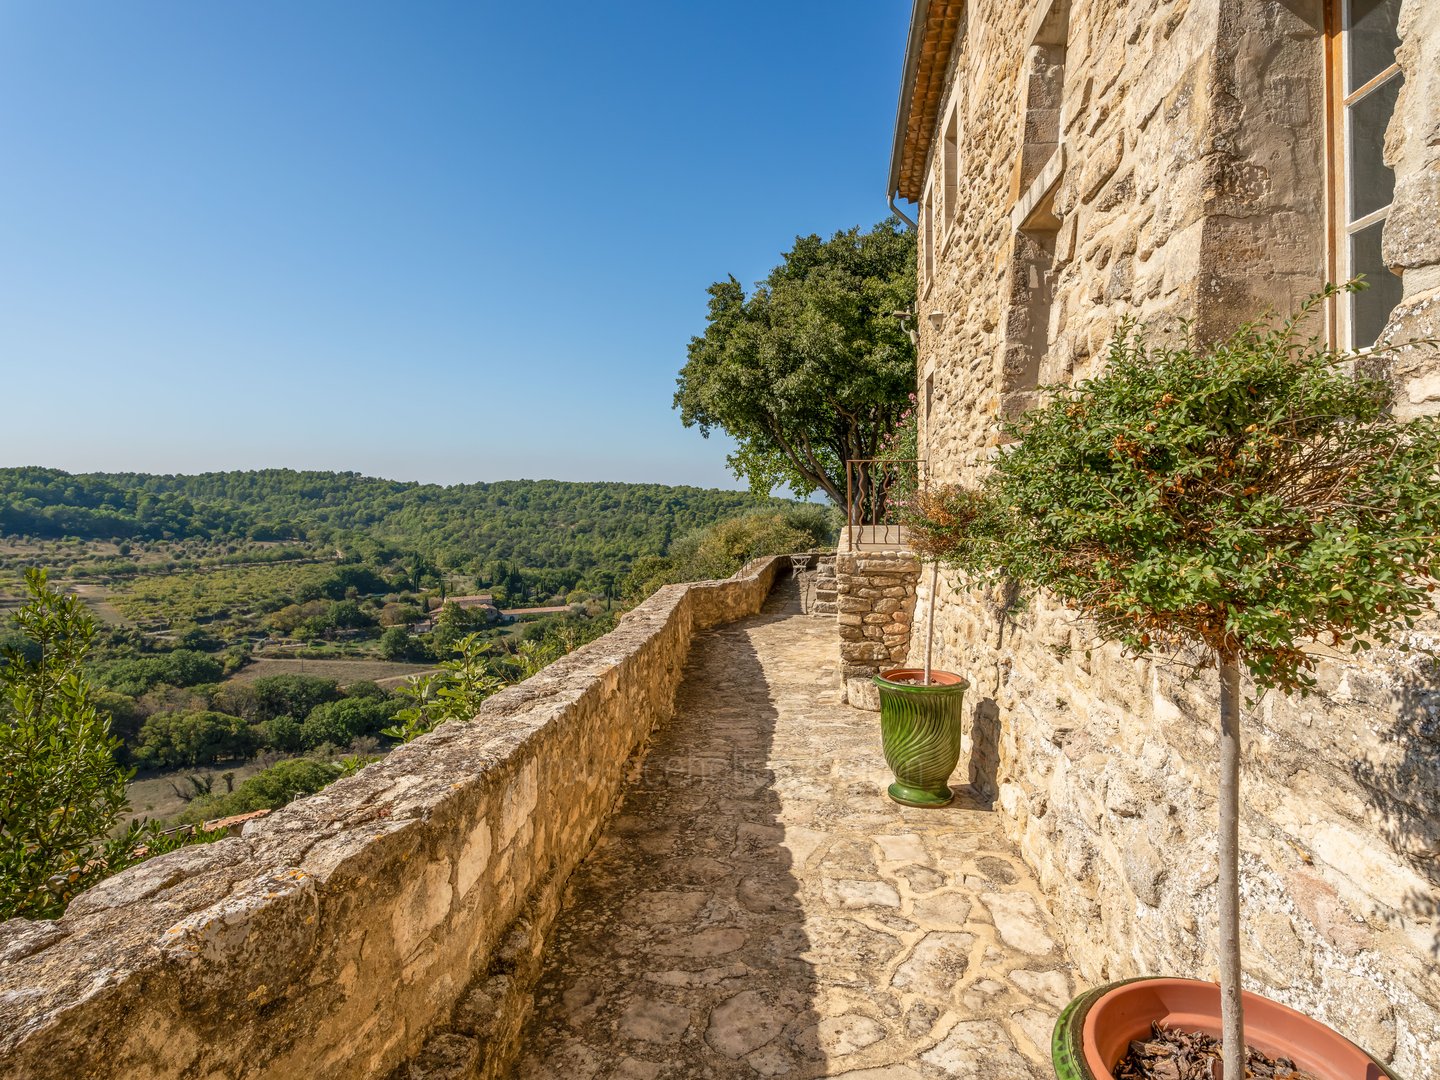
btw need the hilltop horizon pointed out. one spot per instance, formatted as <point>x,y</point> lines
<point>733,486</point>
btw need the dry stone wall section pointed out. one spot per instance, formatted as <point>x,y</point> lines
<point>392,923</point>
<point>876,595</point>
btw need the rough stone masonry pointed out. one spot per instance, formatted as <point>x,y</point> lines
<point>1079,163</point>
<point>877,603</point>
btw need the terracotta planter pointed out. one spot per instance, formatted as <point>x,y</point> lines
<point>920,729</point>
<point>1096,1028</point>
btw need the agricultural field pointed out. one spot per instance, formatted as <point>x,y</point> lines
<point>386,673</point>
<point>239,595</point>
<point>256,631</point>
<point>161,796</point>
<point>163,585</point>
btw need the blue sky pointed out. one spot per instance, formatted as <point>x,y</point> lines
<point>424,240</point>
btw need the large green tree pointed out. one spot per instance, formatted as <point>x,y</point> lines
<point>811,369</point>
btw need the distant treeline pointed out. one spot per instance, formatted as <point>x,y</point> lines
<point>539,523</point>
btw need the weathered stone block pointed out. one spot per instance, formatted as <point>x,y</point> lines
<point>1145,870</point>
<point>862,694</point>
<point>872,650</point>
<point>446,1057</point>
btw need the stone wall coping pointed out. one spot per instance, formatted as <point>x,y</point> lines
<point>876,561</point>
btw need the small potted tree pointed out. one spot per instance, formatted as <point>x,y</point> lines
<point>921,717</point>
<point>1239,502</point>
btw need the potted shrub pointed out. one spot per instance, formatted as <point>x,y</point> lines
<point>1240,499</point>
<point>921,721</point>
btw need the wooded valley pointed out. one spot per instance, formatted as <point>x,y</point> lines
<point>259,632</point>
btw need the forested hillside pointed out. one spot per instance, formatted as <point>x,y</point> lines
<point>535,523</point>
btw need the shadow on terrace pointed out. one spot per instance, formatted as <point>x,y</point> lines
<point>759,907</point>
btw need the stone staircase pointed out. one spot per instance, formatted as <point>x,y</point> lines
<point>827,596</point>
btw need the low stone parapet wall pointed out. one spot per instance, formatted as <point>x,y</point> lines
<point>391,924</point>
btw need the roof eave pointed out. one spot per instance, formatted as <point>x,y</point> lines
<point>918,12</point>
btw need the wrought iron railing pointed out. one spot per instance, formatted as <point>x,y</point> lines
<point>876,490</point>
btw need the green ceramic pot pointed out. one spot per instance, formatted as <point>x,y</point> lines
<point>1067,1053</point>
<point>920,729</point>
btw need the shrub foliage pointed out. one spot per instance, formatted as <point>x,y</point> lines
<point>1251,496</point>
<point>61,790</point>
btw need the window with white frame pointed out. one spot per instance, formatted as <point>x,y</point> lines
<point>1366,84</point>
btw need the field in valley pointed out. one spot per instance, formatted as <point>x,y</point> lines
<point>245,620</point>
<point>387,673</point>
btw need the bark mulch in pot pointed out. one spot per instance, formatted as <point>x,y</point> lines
<point>1172,1054</point>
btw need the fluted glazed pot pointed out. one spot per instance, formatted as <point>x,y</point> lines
<point>920,730</point>
<point>1096,1029</point>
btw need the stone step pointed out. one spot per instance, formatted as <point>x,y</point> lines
<point>824,608</point>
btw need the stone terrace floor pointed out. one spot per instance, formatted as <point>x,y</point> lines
<point>758,906</point>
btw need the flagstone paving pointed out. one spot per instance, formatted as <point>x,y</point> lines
<point>759,907</point>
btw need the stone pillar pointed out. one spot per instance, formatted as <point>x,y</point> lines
<point>876,591</point>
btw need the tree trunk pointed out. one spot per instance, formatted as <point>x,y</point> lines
<point>1231,1017</point>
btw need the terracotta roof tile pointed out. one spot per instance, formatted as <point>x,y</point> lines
<point>942,24</point>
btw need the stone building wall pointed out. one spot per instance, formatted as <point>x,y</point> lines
<point>1105,768</point>
<point>1155,160</point>
<point>391,924</point>
<point>1412,232</point>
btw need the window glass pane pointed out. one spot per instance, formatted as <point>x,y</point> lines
<point>1372,182</point>
<point>952,166</point>
<point>929,239</point>
<point>1370,308</point>
<point>1372,40</point>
